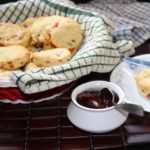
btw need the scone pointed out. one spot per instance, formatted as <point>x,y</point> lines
<point>143,82</point>
<point>56,32</point>
<point>28,22</point>
<point>32,48</point>
<point>13,34</point>
<point>6,73</point>
<point>51,57</point>
<point>31,67</point>
<point>67,35</point>
<point>40,31</point>
<point>13,57</point>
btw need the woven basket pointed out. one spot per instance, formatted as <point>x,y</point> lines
<point>98,52</point>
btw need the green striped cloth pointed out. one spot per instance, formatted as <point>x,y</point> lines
<point>98,52</point>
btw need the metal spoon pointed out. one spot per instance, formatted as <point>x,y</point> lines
<point>107,93</point>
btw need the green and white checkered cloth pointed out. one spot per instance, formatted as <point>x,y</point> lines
<point>98,52</point>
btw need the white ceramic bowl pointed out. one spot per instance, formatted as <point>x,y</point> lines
<point>96,120</point>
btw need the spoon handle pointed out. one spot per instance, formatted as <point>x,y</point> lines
<point>131,108</point>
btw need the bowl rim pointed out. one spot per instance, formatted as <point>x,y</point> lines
<point>73,98</point>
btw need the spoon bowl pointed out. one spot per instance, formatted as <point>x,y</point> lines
<point>107,93</point>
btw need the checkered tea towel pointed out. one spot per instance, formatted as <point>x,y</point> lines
<point>98,52</point>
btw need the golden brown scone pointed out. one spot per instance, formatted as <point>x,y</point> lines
<point>31,67</point>
<point>48,46</point>
<point>13,34</point>
<point>6,73</point>
<point>68,35</point>
<point>13,57</point>
<point>51,57</point>
<point>56,32</point>
<point>143,82</point>
<point>41,29</point>
<point>32,48</point>
<point>28,22</point>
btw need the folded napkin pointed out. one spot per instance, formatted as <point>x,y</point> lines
<point>131,18</point>
<point>98,52</point>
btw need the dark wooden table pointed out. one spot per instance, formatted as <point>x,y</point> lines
<point>45,126</point>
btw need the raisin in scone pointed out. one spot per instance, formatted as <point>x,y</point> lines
<point>51,57</point>
<point>13,34</point>
<point>143,82</point>
<point>13,57</point>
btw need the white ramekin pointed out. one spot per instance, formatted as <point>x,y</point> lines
<point>96,120</point>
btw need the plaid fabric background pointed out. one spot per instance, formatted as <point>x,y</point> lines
<point>131,18</point>
<point>97,53</point>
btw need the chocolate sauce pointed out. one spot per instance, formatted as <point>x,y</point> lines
<point>96,99</point>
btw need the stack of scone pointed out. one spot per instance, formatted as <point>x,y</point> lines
<point>143,82</point>
<point>38,42</point>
